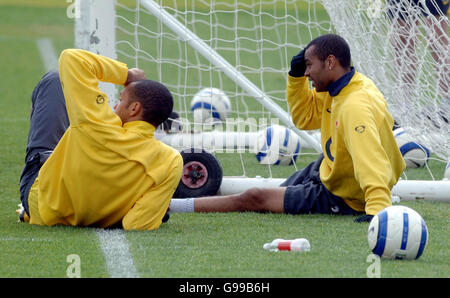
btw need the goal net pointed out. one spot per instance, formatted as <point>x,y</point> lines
<point>240,52</point>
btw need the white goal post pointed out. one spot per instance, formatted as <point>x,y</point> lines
<point>404,189</point>
<point>230,43</point>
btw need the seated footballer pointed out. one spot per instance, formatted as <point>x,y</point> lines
<point>361,161</point>
<point>89,165</point>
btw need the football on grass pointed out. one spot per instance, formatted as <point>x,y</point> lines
<point>415,155</point>
<point>210,105</point>
<point>398,232</point>
<point>277,145</point>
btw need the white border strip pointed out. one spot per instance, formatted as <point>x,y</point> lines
<point>113,243</point>
<point>48,54</point>
<point>119,260</point>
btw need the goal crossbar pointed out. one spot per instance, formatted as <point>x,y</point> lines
<point>212,56</point>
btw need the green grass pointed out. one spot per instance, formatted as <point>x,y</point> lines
<point>231,246</point>
<point>262,63</point>
<point>189,245</point>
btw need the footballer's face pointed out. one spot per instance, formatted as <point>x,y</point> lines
<point>122,109</point>
<point>316,70</point>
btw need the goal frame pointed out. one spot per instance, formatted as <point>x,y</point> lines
<point>95,31</point>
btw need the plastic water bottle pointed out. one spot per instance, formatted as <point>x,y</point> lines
<point>299,244</point>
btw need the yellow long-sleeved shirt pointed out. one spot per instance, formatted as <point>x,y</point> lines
<point>102,173</point>
<point>362,161</point>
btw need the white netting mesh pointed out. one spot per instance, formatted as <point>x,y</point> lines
<point>405,50</point>
<point>259,38</point>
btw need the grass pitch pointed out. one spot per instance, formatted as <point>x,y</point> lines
<point>189,245</point>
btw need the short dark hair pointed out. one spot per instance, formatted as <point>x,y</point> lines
<point>156,100</point>
<point>331,44</point>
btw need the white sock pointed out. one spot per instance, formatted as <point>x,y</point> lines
<point>181,205</point>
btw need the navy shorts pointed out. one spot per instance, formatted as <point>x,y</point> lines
<point>48,122</point>
<point>401,8</point>
<point>306,194</point>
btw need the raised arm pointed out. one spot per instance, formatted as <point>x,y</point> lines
<point>80,71</point>
<point>305,104</point>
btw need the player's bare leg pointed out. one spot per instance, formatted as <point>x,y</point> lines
<point>404,42</point>
<point>439,48</point>
<point>254,199</point>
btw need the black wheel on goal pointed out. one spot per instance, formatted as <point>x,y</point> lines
<point>202,174</point>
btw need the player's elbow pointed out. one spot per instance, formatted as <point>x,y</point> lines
<point>66,55</point>
<point>129,223</point>
<point>130,227</point>
<point>65,62</point>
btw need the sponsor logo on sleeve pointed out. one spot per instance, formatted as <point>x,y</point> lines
<point>100,99</point>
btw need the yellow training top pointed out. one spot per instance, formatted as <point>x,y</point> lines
<point>362,161</point>
<point>102,173</point>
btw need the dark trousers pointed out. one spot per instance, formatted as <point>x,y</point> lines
<point>306,194</point>
<point>48,122</point>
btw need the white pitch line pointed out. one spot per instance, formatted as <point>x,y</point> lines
<point>114,244</point>
<point>119,260</point>
<point>26,239</point>
<point>48,54</point>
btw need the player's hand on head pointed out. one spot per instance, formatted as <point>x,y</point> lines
<point>134,74</point>
<point>298,66</point>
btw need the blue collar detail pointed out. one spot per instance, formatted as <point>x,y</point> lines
<point>336,87</point>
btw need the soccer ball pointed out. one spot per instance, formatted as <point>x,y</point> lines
<point>398,232</point>
<point>414,154</point>
<point>173,124</point>
<point>277,145</point>
<point>447,171</point>
<point>210,105</point>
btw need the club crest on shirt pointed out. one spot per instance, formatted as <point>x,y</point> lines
<point>360,128</point>
<point>100,99</point>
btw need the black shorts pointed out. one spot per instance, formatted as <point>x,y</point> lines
<point>306,194</point>
<point>27,178</point>
<point>29,174</point>
<point>48,122</point>
<point>402,8</point>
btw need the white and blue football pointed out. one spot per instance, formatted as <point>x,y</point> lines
<point>415,155</point>
<point>447,171</point>
<point>277,145</point>
<point>398,232</point>
<point>210,105</point>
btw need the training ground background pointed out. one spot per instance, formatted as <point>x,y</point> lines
<point>189,245</point>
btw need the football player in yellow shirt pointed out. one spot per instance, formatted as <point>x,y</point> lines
<point>87,165</point>
<point>361,160</point>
